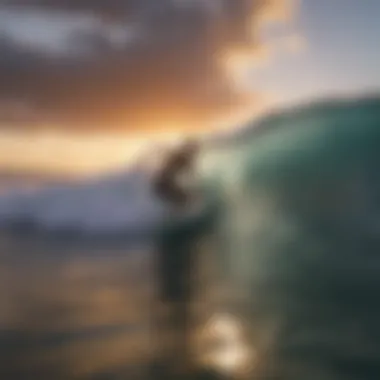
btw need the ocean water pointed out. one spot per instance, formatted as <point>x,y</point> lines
<point>74,310</point>
<point>295,247</point>
<point>301,240</point>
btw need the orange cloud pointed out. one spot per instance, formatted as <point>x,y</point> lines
<point>177,68</point>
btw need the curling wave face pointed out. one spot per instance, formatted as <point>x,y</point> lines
<point>300,236</point>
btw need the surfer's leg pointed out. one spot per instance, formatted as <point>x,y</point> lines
<point>173,325</point>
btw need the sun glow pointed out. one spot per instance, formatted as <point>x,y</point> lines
<point>68,153</point>
<point>80,153</point>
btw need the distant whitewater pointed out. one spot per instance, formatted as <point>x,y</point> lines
<point>123,202</point>
<point>116,203</point>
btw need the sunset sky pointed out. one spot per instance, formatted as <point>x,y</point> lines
<point>342,54</point>
<point>86,83</point>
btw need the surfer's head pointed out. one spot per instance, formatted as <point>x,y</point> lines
<point>190,147</point>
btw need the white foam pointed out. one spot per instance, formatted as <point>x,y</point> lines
<point>119,202</point>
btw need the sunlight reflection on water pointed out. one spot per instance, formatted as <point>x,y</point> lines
<point>230,352</point>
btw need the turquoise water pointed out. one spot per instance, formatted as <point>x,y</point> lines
<point>300,237</point>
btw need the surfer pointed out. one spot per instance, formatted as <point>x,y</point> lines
<point>176,253</point>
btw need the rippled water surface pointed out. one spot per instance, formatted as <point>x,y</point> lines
<point>73,311</point>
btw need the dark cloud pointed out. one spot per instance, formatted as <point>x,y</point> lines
<point>151,64</point>
<point>106,8</point>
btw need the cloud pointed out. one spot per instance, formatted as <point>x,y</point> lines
<point>294,43</point>
<point>123,63</point>
<point>114,9</point>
